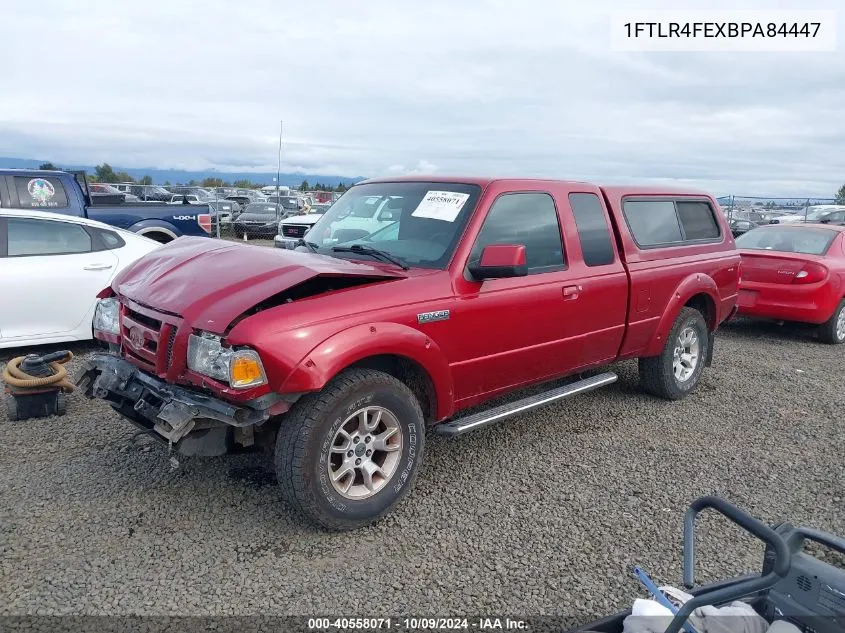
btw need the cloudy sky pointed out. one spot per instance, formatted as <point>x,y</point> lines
<point>388,86</point>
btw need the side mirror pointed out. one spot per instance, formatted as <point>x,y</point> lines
<point>499,261</point>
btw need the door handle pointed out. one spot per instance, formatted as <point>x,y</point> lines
<point>97,267</point>
<point>570,293</point>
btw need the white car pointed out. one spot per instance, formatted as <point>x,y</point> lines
<point>272,190</point>
<point>51,268</point>
<point>368,216</point>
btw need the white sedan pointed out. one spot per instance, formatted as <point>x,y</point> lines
<point>51,268</point>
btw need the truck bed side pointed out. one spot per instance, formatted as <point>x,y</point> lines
<point>177,218</point>
<point>666,277</point>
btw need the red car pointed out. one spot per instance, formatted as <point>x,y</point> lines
<point>341,352</point>
<point>795,272</point>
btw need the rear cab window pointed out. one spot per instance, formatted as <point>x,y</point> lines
<point>668,221</point>
<point>39,192</point>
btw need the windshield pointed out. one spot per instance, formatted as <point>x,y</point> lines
<point>263,209</point>
<point>103,188</point>
<point>288,202</point>
<point>808,241</point>
<point>819,212</point>
<point>419,223</point>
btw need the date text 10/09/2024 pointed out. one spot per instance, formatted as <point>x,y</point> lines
<point>417,624</point>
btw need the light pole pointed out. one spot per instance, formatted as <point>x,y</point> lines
<point>279,167</point>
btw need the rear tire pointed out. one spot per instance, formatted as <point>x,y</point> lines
<point>677,370</point>
<point>346,456</point>
<point>832,331</point>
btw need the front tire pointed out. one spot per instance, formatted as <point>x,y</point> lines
<point>832,331</point>
<point>347,455</point>
<point>677,370</point>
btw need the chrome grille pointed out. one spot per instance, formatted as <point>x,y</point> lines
<point>147,337</point>
<point>139,336</point>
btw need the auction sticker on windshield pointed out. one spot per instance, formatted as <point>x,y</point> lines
<point>441,205</point>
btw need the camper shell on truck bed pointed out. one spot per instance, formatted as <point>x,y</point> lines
<point>339,353</point>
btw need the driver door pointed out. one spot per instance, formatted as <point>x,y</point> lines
<point>516,330</point>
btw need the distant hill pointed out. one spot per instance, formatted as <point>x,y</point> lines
<point>173,176</point>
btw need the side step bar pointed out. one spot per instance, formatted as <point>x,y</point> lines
<point>490,416</point>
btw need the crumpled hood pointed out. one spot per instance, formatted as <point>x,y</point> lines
<point>210,283</point>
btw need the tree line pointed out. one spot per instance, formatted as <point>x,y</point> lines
<point>105,173</point>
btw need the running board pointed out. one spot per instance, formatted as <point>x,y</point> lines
<point>490,416</point>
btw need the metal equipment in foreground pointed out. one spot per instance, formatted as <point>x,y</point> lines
<point>36,385</point>
<point>793,586</point>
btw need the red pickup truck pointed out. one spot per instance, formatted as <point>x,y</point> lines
<point>340,353</point>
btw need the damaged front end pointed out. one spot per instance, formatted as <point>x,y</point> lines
<point>193,422</point>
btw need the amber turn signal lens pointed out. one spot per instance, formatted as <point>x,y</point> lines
<point>245,372</point>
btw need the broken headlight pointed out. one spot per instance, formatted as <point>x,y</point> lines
<point>106,316</point>
<point>240,368</point>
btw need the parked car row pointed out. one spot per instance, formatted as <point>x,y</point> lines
<point>816,214</point>
<point>146,209</point>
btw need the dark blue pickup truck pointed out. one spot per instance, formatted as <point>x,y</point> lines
<point>67,193</point>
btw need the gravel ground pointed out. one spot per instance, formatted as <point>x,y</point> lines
<point>544,514</point>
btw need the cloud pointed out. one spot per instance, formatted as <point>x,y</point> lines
<point>422,167</point>
<point>368,89</point>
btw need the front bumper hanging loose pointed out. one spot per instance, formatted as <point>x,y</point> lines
<point>150,402</point>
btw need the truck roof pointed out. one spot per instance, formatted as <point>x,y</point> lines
<point>651,190</point>
<point>21,171</point>
<point>482,181</point>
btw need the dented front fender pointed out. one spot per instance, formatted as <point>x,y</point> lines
<point>356,343</point>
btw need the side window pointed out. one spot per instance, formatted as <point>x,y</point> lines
<point>40,193</point>
<point>665,222</point>
<point>652,222</point>
<point>592,229</point>
<point>110,239</point>
<point>697,220</point>
<point>529,219</point>
<point>27,236</point>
